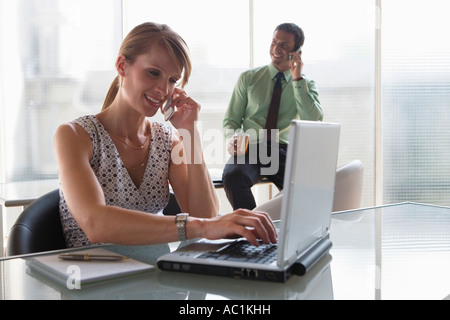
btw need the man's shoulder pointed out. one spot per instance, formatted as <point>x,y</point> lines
<point>256,71</point>
<point>253,75</point>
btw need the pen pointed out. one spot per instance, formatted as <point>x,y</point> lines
<point>89,257</point>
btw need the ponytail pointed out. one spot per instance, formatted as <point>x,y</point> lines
<point>111,95</point>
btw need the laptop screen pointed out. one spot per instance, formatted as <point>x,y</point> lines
<point>308,187</point>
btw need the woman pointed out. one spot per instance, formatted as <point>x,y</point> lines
<point>115,166</point>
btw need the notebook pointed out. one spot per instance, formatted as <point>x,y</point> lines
<point>82,274</point>
<point>305,217</point>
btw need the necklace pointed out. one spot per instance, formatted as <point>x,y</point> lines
<point>143,163</point>
<point>126,141</point>
<point>132,145</point>
<point>140,166</point>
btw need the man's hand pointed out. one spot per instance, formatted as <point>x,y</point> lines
<point>296,65</point>
<point>238,144</point>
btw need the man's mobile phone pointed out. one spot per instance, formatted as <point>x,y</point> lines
<point>168,110</point>
<point>298,51</point>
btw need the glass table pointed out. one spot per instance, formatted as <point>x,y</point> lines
<point>397,251</point>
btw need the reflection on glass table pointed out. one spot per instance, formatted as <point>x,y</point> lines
<point>390,252</point>
<point>157,284</point>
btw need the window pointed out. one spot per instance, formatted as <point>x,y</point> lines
<point>416,101</point>
<point>57,62</point>
<point>220,50</point>
<point>223,45</point>
<point>339,55</point>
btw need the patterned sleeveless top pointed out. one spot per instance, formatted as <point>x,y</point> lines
<point>152,195</point>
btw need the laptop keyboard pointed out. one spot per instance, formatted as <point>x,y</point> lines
<point>244,251</point>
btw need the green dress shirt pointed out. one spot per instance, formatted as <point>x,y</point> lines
<point>250,102</point>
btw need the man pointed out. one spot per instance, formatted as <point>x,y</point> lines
<point>248,112</point>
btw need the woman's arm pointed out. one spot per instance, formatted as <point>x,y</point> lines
<point>86,201</point>
<point>111,224</point>
<point>188,173</point>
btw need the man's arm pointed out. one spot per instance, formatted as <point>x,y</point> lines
<point>236,108</point>
<point>307,100</point>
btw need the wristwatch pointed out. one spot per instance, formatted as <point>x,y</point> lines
<point>180,221</point>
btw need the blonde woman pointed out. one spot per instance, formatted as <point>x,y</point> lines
<point>115,167</point>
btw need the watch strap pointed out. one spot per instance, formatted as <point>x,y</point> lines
<point>180,221</point>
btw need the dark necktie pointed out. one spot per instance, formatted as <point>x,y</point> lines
<point>272,115</point>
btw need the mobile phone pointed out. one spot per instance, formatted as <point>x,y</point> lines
<point>168,110</point>
<point>299,50</point>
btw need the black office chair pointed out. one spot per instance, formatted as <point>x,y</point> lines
<point>38,228</point>
<point>172,207</point>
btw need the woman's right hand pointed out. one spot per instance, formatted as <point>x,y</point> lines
<point>248,224</point>
<point>186,110</point>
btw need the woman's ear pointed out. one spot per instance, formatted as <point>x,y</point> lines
<point>121,64</point>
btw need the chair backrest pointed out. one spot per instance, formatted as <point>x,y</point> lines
<point>172,207</point>
<point>38,228</point>
<point>347,191</point>
<point>348,186</point>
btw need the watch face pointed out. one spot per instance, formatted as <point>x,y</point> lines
<point>181,217</point>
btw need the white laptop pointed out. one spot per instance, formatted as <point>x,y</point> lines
<point>303,238</point>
